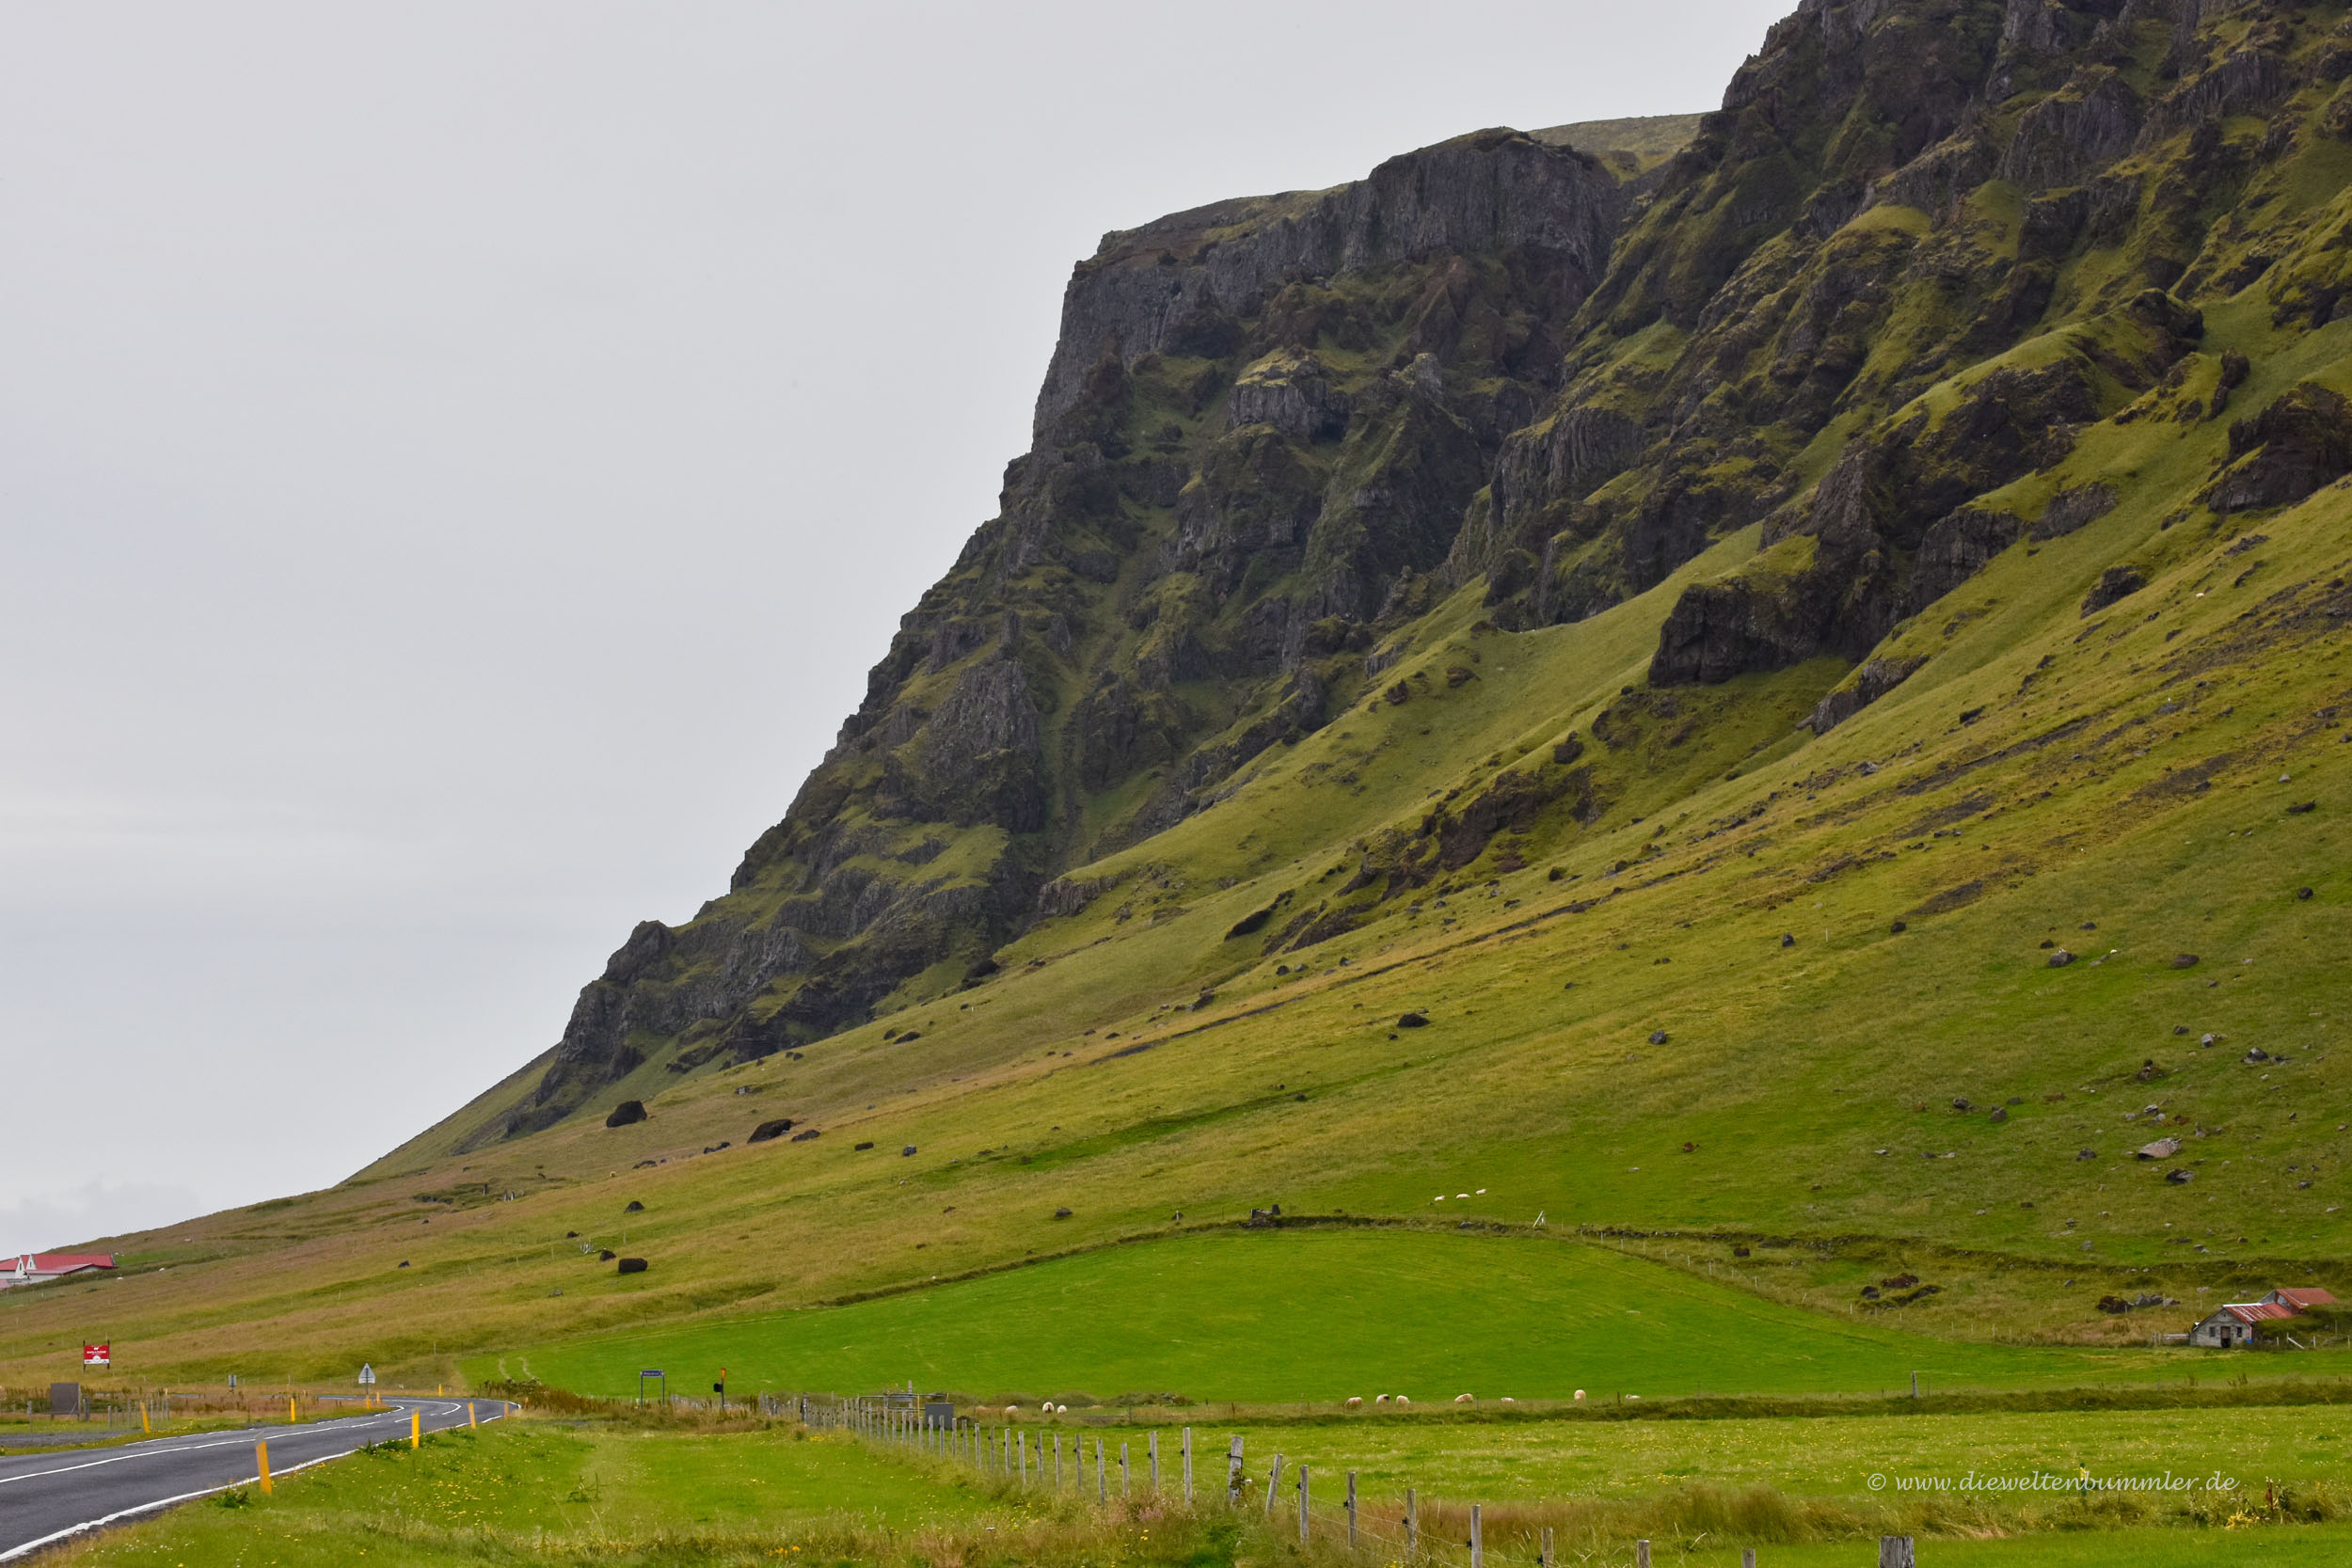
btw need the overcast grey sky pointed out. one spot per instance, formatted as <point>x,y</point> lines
<point>457,462</point>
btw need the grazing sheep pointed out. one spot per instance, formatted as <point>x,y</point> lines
<point>1061,1410</point>
<point>1633,1399</point>
<point>1508,1399</point>
<point>1381,1400</point>
<point>1579,1393</point>
<point>1012,1411</point>
<point>1466,1399</point>
<point>1354,1401</point>
<point>1402,1400</point>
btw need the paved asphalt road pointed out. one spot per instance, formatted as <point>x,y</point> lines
<point>45,1497</point>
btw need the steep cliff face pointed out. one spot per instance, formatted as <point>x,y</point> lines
<point>2036,237</point>
<point>1263,421</point>
<point>1876,306</point>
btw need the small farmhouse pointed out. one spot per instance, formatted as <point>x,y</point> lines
<point>33,1268</point>
<point>2240,1322</point>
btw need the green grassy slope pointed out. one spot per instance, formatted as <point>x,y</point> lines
<point>1098,1080</point>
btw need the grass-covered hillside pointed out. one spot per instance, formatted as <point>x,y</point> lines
<point>1788,719</point>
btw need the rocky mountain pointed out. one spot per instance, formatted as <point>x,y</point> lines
<point>1940,280</point>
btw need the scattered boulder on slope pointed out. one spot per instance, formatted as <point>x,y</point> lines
<point>626,1113</point>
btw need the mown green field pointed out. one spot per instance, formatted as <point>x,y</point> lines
<point>541,1492</point>
<point>1321,1315</point>
<point>1813,1456</point>
<point>525,1486</point>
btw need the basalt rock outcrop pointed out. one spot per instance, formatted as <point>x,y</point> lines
<point>1872,309</point>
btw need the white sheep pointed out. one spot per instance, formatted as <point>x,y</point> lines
<point>1354,1401</point>
<point>1402,1400</point>
<point>1381,1400</point>
<point>1466,1399</point>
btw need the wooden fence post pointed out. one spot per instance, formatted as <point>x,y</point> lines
<point>1151,1443</point>
<point>1273,1482</point>
<point>1413,1526</point>
<point>1302,1505</point>
<point>1351,1510</point>
<point>1548,1560</point>
<point>1022,1443</point>
<point>1747,1556</point>
<point>1894,1551</point>
<point>1478,1542</point>
<point>1102,1477</point>
<point>1640,1554</point>
<point>1187,1466</point>
<point>1233,1475</point>
<point>1057,1486</point>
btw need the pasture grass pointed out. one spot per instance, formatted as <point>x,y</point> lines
<point>534,1491</point>
<point>1319,1315</point>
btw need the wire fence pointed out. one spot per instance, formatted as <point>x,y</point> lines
<point>1326,1510</point>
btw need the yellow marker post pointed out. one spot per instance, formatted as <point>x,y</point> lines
<point>261,1463</point>
<point>143,1423</point>
<point>440,1390</point>
<point>291,1420</point>
<point>416,1430</point>
<point>469,1420</point>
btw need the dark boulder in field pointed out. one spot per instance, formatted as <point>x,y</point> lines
<point>1657,1037</point>
<point>631,1265</point>
<point>1062,1213</point>
<point>626,1113</point>
<point>1413,1021</point>
<point>634,1208</point>
<point>767,1129</point>
<point>2185,960</point>
<point>2180,1178</point>
<point>2060,958</point>
<point>604,1255</point>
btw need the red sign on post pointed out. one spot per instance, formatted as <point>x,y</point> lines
<point>98,1356</point>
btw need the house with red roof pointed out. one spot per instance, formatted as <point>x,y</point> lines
<point>2241,1323</point>
<point>35,1268</point>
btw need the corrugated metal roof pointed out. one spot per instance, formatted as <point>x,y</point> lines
<point>2256,1311</point>
<point>2300,1296</point>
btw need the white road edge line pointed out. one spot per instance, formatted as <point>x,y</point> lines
<point>55,1536</point>
<point>144,1450</point>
